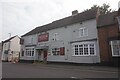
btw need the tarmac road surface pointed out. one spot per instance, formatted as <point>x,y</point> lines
<point>25,70</point>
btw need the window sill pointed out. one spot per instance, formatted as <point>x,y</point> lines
<point>115,55</point>
<point>29,56</point>
<point>83,55</point>
<point>83,36</point>
<point>56,55</point>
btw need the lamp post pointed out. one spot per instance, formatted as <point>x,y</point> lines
<point>9,47</point>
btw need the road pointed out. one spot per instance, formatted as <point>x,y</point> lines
<point>23,70</point>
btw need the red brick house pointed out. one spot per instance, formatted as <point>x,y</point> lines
<point>109,38</point>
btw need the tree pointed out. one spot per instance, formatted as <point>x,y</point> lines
<point>104,9</point>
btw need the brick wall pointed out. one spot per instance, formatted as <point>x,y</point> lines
<point>104,34</point>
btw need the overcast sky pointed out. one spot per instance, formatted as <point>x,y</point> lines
<point>20,16</point>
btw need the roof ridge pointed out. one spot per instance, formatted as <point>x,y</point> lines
<point>9,39</point>
<point>107,19</point>
<point>109,13</point>
<point>85,15</point>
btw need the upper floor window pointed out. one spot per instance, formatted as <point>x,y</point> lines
<point>21,41</point>
<point>115,47</point>
<point>30,39</point>
<point>83,32</point>
<point>55,36</point>
<point>5,46</point>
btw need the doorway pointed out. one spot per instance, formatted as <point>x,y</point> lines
<point>42,55</point>
<point>45,55</point>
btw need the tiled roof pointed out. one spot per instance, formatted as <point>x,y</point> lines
<point>0,46</point>
<point>9,39</point>
<point>87,15</point>
<point>107,19</point>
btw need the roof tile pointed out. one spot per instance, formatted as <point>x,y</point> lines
<point>107,19</point>
<point>87,15</point>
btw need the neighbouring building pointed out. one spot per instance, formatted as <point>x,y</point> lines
<point>119,14</point>
<point>72,39</point>
<point>11,49</point>
<point>0,50</point>
<point>119,5</point>
<point>109,38</point>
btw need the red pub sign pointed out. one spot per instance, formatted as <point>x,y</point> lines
<point>43,37</point>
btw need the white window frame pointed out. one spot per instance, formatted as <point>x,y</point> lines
<point>53,49</point>
<point>94,49</point>
<point>82,43</point>
<point>30,50</point>
<point>111,42</point>
<point>55,36</point>
<point>85,33</point>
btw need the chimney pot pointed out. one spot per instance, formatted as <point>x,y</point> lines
<point>74,12</point>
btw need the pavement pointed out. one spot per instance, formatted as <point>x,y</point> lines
<point>23,70</point>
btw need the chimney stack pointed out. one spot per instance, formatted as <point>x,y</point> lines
<point>75,12</point>
<point>119,8</point>
<point>119,5</point>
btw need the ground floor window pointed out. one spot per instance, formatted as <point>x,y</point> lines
<point>6,52</point>
<point>84,49</point>
<point>29,51</point>
<point>115,47</point>
<point>58,51</point>
<point>92,49</point>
